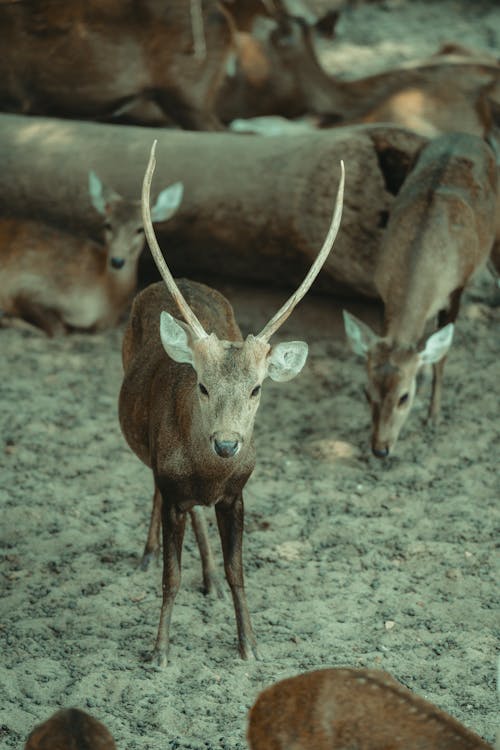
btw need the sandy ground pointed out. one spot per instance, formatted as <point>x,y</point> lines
<point>349,560</point>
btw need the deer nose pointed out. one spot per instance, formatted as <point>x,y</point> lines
<point>226,448</point>
<point>117,262</point>
<point>380,452</point>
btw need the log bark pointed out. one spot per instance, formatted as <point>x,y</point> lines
<point>254,208</point>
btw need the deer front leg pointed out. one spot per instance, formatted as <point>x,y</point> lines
<point>437,383</point>
<point>210,578</point>
<point>444,317</point>
<point>152,546</point>
<point>173,525</point>
<point>230,522</point>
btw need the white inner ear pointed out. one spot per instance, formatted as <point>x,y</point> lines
<point>175,339</point>
<point>286,360</point>
<point>360,336</point>
<point>436,346</point>
<point>167,202</point>
<point>96,193</point>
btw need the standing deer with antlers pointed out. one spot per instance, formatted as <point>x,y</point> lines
<point>187,406</point>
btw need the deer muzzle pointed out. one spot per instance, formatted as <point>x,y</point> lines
<point>225,446</point>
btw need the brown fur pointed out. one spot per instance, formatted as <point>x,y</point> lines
<point>441,228</point>
<point>98,59</point>
<point>58,281</point>
<point>70,729</point>
<point>160,419</point>
<point>429,97</point>
<point>355,709</point>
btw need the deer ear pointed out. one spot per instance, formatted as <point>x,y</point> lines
<point>286,360</point>
<point>436,346</point>
<point>361,338</point>
<point>174,336</point>
<point>100,195</point>
<point>167,202</point>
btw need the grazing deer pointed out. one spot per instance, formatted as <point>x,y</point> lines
<point>441,228</point>
<point>70,729</point>
<point>359,709</point>
<point>58,282</point>
<point>187,406</point>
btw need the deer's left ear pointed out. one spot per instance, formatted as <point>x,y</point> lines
<point>167,202</point>
<point>436,346</point>
<point>286,360</point>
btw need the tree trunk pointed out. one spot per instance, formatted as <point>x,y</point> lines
<point>254,208</point>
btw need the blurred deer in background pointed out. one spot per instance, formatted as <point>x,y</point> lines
<point>187,406</point>
<point>359,709</point>
<point>441,229</point>
<point>100,59</point>
<point>280,73</point>
<point>70,729</point>
<point>57,281</point>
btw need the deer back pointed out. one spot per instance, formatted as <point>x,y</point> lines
<point>333,709</point>
<point>441,228</point>
<point>95,59</point>
<point>70,729</point>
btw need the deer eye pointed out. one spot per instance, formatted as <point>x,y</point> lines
<point>107,226</point>
<point>255,391</point>
<point>139,230</point>
<point>404,398</point>
<point>203,389</point>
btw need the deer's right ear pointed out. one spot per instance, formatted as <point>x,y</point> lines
<point>360,336</point>
<point>100,195</point>
<point>174,336</point>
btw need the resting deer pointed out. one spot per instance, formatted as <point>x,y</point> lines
<point>58,281</point>
<point>441,228</point>
<point>359,709</point>
<point>70,729</point>
<point>288,79</point>
<point>187,406</point>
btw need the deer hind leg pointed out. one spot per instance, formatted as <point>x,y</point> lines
<point>444,317</point>
<point>173,526</point>
<point>152,546</point>
<point>230,522</point>
<point>210,578</point>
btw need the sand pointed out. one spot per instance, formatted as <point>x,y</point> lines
<point>349,560</point>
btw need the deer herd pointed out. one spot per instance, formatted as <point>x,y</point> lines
<point>192,384</point>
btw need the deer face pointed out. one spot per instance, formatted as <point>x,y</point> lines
<point>122,221</point>
<point>392,376</point>
<point>390,393</point>
<point>229,379</point>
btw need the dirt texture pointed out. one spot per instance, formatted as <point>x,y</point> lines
<point>349,560</point>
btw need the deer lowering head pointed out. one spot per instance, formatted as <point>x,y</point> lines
<point>230,373</point>
<point>392,376</point>
<point>122,220</point>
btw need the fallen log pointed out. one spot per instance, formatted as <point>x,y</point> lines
<point>254,208</point>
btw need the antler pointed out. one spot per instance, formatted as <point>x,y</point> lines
<point>198,30</point>
<point>172,287</point>
<point>289,305</point>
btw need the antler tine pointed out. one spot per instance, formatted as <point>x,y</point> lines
<point>289,305</point>
<point>174,290</point>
